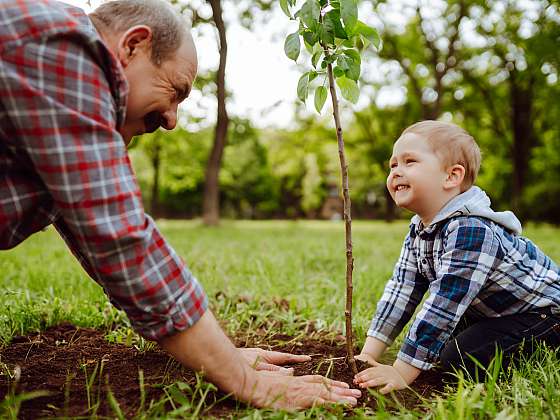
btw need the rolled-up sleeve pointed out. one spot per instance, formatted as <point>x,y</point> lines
<point>61,114</point>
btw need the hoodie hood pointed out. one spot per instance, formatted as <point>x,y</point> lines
<point>475,202</point>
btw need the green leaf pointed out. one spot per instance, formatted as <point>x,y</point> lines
<point>310,13</point>
<point>303,87</point>
<point>285,8</point>
<point>316,57</point>
<point>310,38</point>
<point>326,36</point>
<point>349,89</point>
<point>292,46</point>
<point>368,33</point>
<point>334,25</point>
<point>349,13</point>
<point>338,72</point>
<point>312,75</point>
<point>320,98</point>
<point>354,62</point>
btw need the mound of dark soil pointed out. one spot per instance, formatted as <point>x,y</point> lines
<point>67,362</point>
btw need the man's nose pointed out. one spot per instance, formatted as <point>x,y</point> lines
<point>169,118</point>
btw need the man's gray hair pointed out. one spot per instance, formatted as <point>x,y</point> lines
<point>167,25</point>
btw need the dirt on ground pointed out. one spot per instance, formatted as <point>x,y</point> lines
<point>67,362</point>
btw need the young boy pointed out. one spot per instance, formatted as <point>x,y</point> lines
<point>472,261</point>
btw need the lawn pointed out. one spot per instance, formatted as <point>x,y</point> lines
<point>282,277</point>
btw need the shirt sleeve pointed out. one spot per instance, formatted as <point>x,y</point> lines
<point>470,253</point>
<point>401,296</point>
<point>61,115</point>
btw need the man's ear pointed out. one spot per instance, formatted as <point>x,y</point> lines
<point>455,176</point>
<point>135,39</point>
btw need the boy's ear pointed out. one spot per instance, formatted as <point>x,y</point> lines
<point>455,176</point>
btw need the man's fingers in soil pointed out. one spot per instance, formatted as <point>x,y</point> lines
<point>280,357</point>
<point>273,368</point>
<point>325,381</point>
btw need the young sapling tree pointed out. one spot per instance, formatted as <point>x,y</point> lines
<point>334,37</point>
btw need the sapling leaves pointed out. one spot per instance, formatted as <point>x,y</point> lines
<point>348,88</point>
<point>349,13</point>
<point>292,46</point>
<point>332,35</point>
<point>320,98</point>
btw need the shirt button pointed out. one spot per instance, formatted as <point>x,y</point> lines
<point>543,316</point>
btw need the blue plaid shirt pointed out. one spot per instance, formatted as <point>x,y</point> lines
<point>469,265</point>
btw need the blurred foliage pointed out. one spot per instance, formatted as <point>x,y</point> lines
<point>489,66</point>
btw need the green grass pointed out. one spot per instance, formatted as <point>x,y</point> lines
<point>41,284</point>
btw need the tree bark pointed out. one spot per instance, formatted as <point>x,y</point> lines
<point>156,160</point>
<point>347,221</point>
<point>211,200</point>
<point>523,135</point>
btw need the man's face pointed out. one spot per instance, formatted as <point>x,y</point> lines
<point>155,92</point>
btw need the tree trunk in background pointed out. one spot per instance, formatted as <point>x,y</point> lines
<point>211,200</point>
<point>524,138</point>
<point>156,160</point>
<point>154,154</point>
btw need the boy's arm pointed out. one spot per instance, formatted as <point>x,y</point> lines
<point>402,294</point>
<point>372,350</point>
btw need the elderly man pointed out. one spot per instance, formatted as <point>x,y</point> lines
<point>74,90</point>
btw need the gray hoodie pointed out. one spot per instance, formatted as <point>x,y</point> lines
<point>475,202</point>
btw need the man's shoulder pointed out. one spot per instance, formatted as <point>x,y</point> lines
<point>21,20</point>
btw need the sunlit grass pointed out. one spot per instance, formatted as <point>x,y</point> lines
<point>273,274</point>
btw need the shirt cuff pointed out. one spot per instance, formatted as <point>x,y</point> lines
<point>380,336</point>
<point>417,356</point>
<point>187,310</point>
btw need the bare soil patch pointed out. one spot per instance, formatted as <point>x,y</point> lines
<point>61,359</point>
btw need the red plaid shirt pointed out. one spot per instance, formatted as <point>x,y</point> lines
<point>62,161</point>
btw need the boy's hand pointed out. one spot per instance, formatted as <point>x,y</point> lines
<point>365,357</point>
<point>380,375</point>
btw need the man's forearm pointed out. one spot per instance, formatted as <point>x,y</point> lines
<point>204,347</point>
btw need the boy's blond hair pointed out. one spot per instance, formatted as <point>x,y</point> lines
<point>452,145</point>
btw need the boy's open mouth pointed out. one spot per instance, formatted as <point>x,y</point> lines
<point>401,187</point>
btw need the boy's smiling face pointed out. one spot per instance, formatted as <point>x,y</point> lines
<point>418,180</point>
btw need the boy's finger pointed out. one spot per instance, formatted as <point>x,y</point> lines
<point>373,382</point>
<point>387,388</point>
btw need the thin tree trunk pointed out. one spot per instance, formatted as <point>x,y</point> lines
<point>211,200</point>
<point>347,222</point>
<point>523,137</point>
<point>156,160</point>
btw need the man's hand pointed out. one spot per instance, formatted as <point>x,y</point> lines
<point>260,359</point>
<point>204,347</point>
<point>380,375</point>
<point>294,392</point>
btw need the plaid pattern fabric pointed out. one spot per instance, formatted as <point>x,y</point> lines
<point>62,161</point>
<point>469,265</point>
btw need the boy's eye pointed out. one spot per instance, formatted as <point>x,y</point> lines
<point>393,165</point>
<point>410,161</point>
